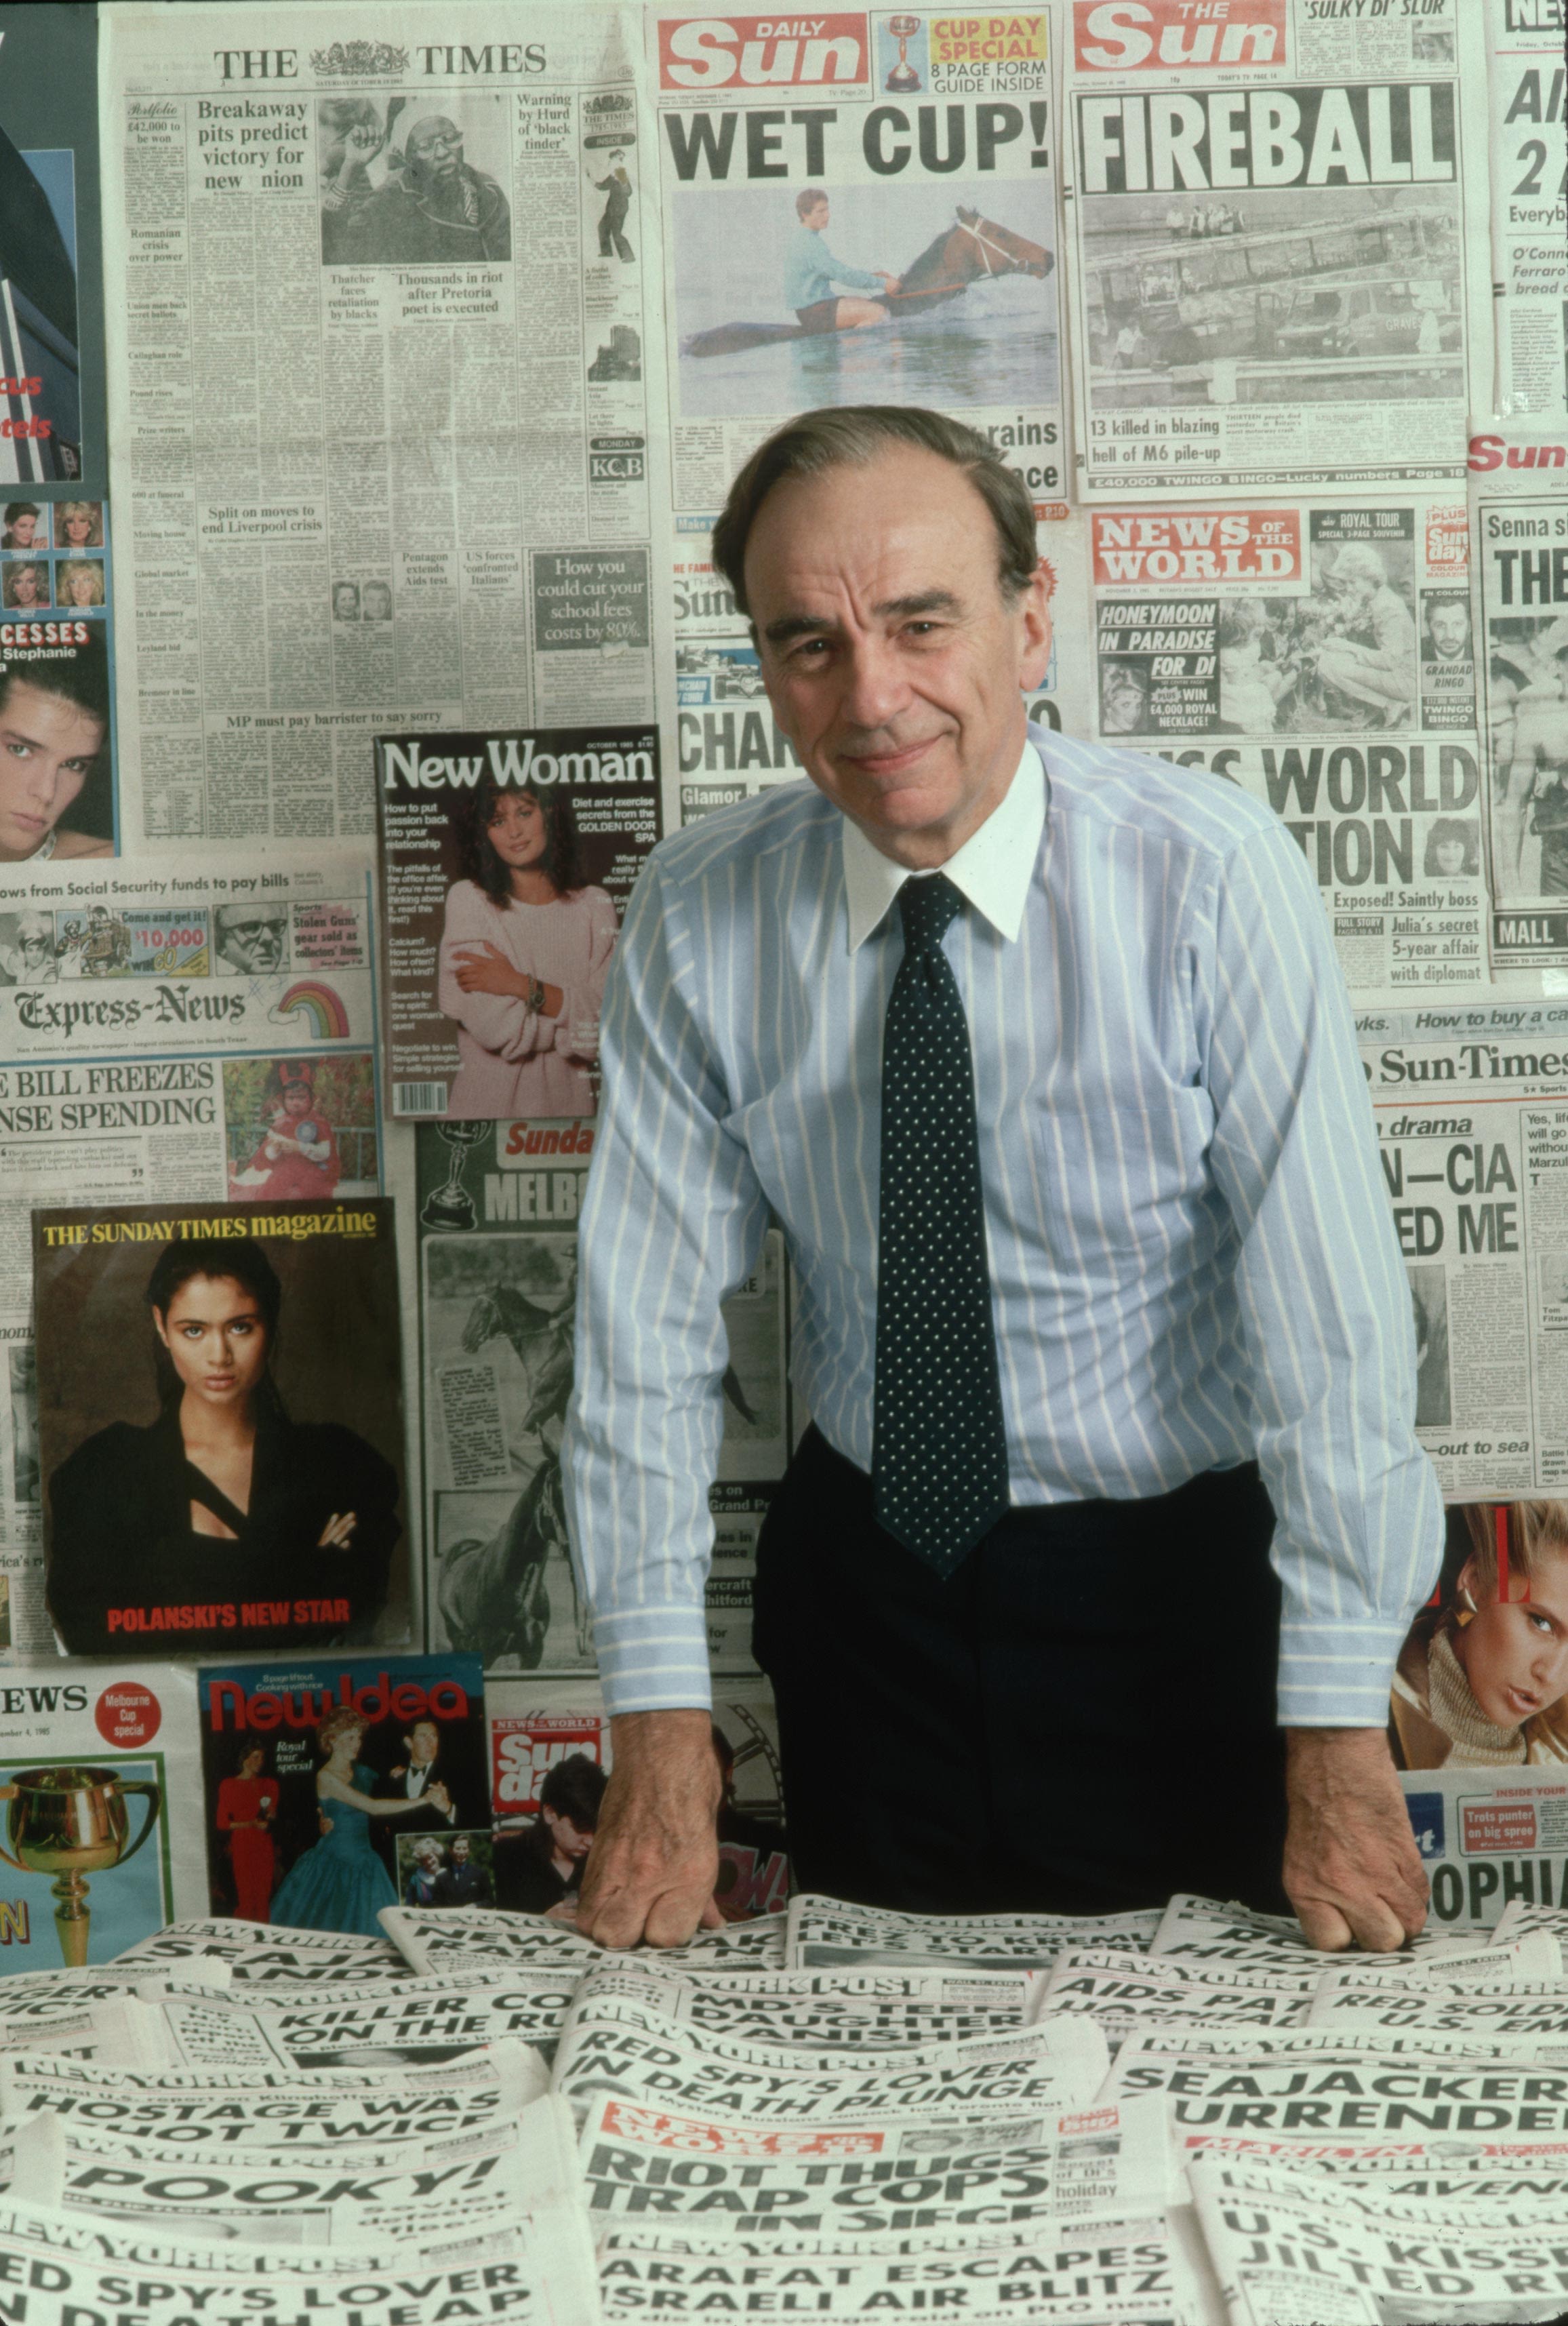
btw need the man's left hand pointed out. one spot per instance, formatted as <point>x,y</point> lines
<point>1352,1867</point>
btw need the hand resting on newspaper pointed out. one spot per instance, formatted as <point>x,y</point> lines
<point>1351,1868</point>
<point>656,1854</point>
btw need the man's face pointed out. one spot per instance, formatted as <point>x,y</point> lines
<point>1449,626</point>
<point>817,217</point>
<point>25,585</point>
<point>47,748</point>
<point>571,1840</point>
<point>423,1743</point>
<point>438,145</point>
<point>346,602</point>
<point>459,1851</point>
<point>378,602</point>
<point>253,940</point>
<point>891,659</point>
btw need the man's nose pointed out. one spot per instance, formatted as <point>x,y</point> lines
<point>875,685</point>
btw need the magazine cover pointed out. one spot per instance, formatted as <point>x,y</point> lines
<point>506,862</point>
<point>93,1767</point>
<point>221,1423</point>
<point>335,1786</point>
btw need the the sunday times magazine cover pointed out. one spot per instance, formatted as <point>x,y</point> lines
<point>337,1786</point>
<point>221,1424</point>
<point>506,862</point>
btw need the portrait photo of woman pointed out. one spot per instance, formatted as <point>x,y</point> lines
<point>1483,1679</point>
<point>79,525</point>
<point>1452,848</point>
<point>525,952</point>
<point>248,1803</point>
<point>340,1884</point>
<point>297,1159</point>
<point>80,582</point>
<point>224,1520</point>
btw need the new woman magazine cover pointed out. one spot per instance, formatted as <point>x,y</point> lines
<point>507,860</point>
<point>220,1427</point>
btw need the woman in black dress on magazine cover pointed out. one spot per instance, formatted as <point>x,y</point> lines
<point>225,1523</point>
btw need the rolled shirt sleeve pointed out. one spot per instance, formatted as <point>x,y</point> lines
<point>1324,1299</point>
<point>672,1222</point>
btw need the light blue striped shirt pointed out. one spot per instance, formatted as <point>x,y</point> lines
<point>1193,1258</point>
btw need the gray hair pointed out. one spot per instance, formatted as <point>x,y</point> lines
<point>852,436</point>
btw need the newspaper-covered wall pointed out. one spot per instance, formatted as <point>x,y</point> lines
<point>146,1011</point>
<point>1280,255</point>
<point>379,395</point>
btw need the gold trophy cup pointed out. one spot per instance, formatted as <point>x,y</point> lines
<point>72,1822</point>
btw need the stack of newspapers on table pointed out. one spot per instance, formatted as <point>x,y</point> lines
<point>1147,2119</point>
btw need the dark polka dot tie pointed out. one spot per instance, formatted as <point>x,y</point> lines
<point>938,1458</point>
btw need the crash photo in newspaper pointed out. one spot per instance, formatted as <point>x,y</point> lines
<point>890,234</point>
<point>220,1422</point>
<point>334,1789</point>
<point>506,864</point>
<point>1277,283</point>
<point>166,1027</point>
<point>421,493</point>
<point>1332,648</point>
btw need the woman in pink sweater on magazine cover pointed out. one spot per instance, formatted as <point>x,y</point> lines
<point>524,957</point>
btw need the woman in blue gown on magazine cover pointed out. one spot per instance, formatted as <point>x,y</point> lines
<point>340,1884</point>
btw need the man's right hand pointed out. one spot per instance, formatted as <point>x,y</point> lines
<point>655,1855</point>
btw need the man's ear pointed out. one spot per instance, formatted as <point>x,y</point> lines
<point>1034,611</point>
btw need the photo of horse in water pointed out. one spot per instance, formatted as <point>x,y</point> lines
<point>787,297</point>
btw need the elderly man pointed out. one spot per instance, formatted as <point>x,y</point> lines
<point>1039,1053</point>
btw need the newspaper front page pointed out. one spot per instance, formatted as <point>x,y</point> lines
<point>146,1013</point>
<point>1283,2257</point>
<point>1521,563</point>
<point>1320,655</point>
<point>825,1932</point>
<point>379,395</point>
<point>1281,259</point>
<point>1530,190</point>
<point>648,2166</point>
<point>859,212</point>
<point>880,2011</point>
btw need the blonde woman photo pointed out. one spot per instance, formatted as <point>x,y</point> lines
<point>1482,1678</point>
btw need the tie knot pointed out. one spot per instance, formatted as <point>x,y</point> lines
<point>928,907</point>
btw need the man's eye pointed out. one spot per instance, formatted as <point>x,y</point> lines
<point>19,750</point>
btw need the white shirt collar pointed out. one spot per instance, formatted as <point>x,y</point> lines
<point>992,870</point>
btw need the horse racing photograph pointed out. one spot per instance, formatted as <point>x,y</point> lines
<point>909,291</point>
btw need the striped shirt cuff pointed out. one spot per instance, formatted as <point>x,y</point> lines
<point>1337,1675</point>
<point>652,1659</point>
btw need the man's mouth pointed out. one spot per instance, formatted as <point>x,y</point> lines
<point>896,760</point>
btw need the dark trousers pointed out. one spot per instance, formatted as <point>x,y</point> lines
<point>1081,1720</point>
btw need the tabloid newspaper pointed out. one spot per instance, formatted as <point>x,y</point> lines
<point>534,1725</point>
<point>1208,1929</point>
<point>506,862</point>
<point>335,1788</point>
<point>824,1932</point>
<point>880,2009</point>
<point>1057,2065</point>
<point>659,2169</point>
<point>153,1320</point>
<point>1126,2273</point>
<point>854,204</point>
<point>517,2179</point>
<point>1284,2255</point>
<point>496,1205</point>
<point>1529,184</point>
<point>442,1944</point>
<point>1278,281</point>
<point>1519,494</point>
<point>1320,655</point>
<point>420,497</point>
<point>33,2084</point>
<point>109,1751</point>
<point>149,1017</point>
